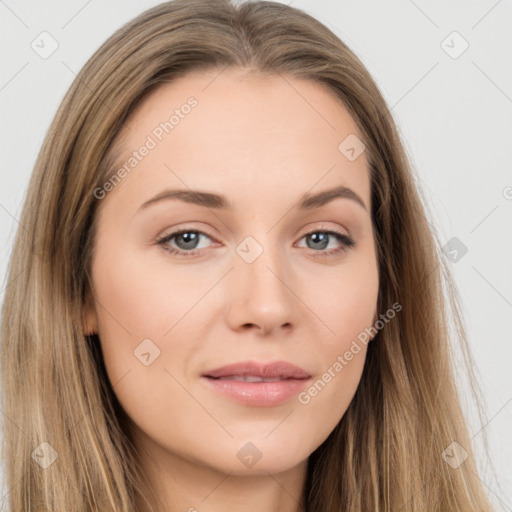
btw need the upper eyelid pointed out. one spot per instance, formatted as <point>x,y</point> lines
<point>178,231</point>
<point>319,226</point>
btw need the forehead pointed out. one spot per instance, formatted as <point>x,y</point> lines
<point>246,134</point>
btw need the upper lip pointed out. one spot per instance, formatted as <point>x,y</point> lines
<point>281,369</point>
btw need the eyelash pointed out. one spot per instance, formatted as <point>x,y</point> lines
<point>346,241</point>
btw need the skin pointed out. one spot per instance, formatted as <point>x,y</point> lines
<point>263,142</point>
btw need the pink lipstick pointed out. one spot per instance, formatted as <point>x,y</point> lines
<point>258,384</point>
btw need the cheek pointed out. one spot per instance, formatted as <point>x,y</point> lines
<point>343,356</point>
<point>137,301</point>
<point>131,309</point>
<point>346,302</point>
<point>347,307</point>
<point>323,404</point>
<point>144,314</point>
<point>138,319</point>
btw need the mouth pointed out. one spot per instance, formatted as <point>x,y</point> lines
<point>250,378</point>
<point>279,370</point>
<point>257,384</point>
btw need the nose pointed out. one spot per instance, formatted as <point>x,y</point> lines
<point>261,295</point>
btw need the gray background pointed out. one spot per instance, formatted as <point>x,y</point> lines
<point>454,111</point>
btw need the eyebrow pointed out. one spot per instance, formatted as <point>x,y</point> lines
<point>307,201</point>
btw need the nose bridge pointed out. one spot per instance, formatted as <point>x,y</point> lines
<point>261,257</point>
<point>267,272</point>
<point>262,275</point>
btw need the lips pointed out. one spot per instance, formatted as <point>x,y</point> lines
<point>257,384</point>
<point>252,371</point>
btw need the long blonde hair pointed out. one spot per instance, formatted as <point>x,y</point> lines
<point>386,453</point>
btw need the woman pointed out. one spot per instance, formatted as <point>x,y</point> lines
<point>173,336</point>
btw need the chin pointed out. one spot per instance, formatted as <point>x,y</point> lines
<point>258,455</point>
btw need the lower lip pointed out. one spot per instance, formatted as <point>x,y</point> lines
<point>258,394</point>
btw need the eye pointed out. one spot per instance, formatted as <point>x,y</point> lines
<point>320,239</point>
<point>186,239</point>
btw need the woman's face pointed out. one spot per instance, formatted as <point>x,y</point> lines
<point>253,278</point>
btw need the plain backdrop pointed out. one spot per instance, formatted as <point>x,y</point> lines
<point>445,71</point>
